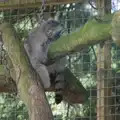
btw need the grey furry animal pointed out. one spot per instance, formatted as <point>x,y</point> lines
<point>37,45</point>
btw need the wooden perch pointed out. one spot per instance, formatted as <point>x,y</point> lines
<point>17,4</point>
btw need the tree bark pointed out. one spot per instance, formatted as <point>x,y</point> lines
<point>27,81</point>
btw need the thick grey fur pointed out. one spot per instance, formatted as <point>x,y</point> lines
<point>37,45</point>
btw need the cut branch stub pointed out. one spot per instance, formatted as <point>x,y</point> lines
<point>74,91</point>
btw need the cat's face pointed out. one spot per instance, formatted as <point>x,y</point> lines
<point>52,29</point>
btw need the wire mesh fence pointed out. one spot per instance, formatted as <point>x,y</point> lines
<point>102,84</point>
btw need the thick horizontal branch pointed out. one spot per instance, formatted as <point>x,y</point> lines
<point>93,32</point>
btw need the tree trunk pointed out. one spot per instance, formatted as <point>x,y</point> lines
<point>27,81</point>
<point>38,108</point>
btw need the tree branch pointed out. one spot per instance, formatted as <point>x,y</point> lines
<point>93,32</point>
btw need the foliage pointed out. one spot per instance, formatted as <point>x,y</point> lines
<point>12,108</point>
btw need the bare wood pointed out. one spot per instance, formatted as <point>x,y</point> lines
<point>104,90</point>
<point>14,4</point>
<point>103,71</point>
